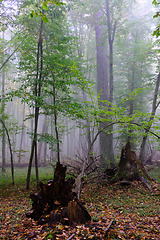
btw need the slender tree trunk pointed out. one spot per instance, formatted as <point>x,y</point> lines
<point>55,114</point>
<point>51,154</point>
<point>36,164</point>
<point>44,130</point>
<point>3,128</point>
<point>22,135</point>
<point>45,152</point>
<point>10,148</point>
<point>37,95</point>
<point>3,119</point>
<point>154,107</point>
<point>56,124</point>
<point>131,102</point>
<point>33,149</point>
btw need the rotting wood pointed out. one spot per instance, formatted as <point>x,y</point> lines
<point>129,169</point>
<point>57,200</point>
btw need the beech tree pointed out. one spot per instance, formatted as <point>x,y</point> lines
<point>50,71</point>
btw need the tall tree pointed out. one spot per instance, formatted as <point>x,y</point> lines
<point>106,144</point>
<point>49,74</point>
<point>3,117</point>
<point>37,93</point>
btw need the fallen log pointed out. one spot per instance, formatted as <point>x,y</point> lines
<point>57,201</point>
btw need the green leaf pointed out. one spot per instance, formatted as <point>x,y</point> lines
<point>156,32</point>
<point>44,5</point>
<point>155,2</point>
<point>156,15</point>
<point>45,19</point>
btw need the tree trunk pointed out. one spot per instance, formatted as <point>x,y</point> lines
<point>111,35</point>
<point>22,135</point>
<point>44,130</point>
<point>51,153</point>
<point>10,148</point>
<point>154,108</point>
<point>56,126</point>
<point>3,129</point>
<point>127,167</point>
<point>55,113</point>
<point>106,140</point>
<point>37,91</point>
<point>3,119</point>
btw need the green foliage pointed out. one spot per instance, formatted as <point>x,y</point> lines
<point>49,139</point>
<point>62,76</point>
<point>40,11</point>
<point>125,125</point>
<point>157,15</point>
<point>155,2</point>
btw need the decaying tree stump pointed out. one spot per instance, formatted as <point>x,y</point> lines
<point>127,167</point>
<point>57,200</point>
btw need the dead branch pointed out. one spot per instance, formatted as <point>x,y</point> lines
<point>146,183</point>
<point>71,236</point>
<point>108,227</point>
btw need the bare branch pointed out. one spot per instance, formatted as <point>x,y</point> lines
<point>114,31</point>
<point>118,122</point>
<point>7,59</point>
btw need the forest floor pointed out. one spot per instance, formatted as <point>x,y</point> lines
<point>130,212</point>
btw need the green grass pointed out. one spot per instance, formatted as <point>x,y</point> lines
<point>155,173</point>
<point>45,173</point>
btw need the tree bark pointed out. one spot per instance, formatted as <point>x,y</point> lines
<point>3,118</point>
<point>22,135</point>
<point>3,128</point>
<point>37,93</point>
<point>55,114</point>
<point>154,107</point>
<point>106,140</point>
<point>127,167</point>
<point>10,148</point>
<point>111,36</point>
<point>56,123</point>
<point>44,130</point>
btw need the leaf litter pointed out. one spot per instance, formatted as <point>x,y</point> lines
<point>117,213</point>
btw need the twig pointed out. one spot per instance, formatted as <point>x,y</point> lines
<point>8,59</point>
<point>71,236</point>
<point>146,183</point>
<point>82,174</point>
<point>108,227</point>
